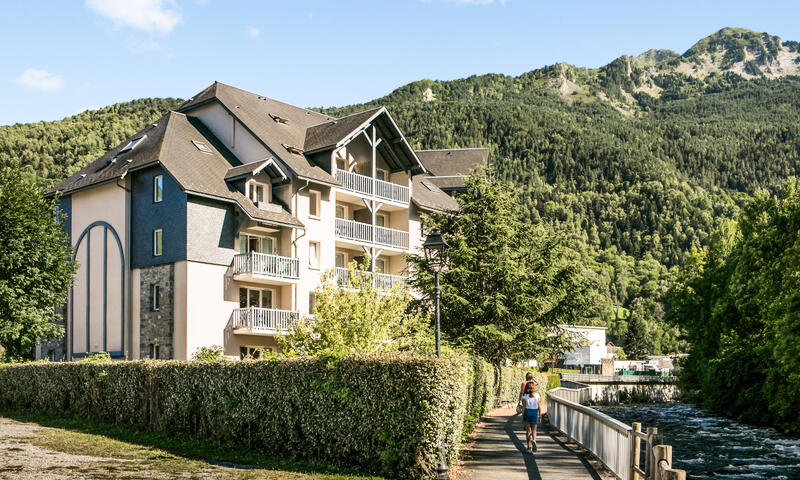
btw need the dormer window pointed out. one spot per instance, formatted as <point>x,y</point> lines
<point>257,192</point>
<point>202,146</point>
<point>132,144</point>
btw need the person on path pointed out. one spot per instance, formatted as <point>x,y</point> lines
<point>530,416</point>
<point>528,379</point>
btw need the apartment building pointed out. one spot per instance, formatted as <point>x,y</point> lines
<point>215,224</point>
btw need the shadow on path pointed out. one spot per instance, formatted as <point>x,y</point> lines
<point>530,460</point>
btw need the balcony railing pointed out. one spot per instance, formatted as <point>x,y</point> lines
<point>264,264</point>
<point>367,186</point>
<point>263,320</point>
<point>382,281</point>
<point>363,232</point>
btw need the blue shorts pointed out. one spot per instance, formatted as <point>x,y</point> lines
<point>531,415</point>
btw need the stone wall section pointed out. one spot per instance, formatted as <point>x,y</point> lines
<point>157,327</point>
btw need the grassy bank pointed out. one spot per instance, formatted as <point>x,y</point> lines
<point>125,452</point>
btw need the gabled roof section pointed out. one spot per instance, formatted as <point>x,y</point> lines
<point>428,196</point>
<point>394,147</point>
<point>273,123</point>
<point>454,161</point>
<point>252,169</point>
<point>329,134</point>
<point>169,142</point>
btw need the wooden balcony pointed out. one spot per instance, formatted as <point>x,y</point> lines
<point>262,321</point>
<point>261,266</point>
<point>364,232</point>
<point>372,187</point>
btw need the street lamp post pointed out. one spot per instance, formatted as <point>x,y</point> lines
<point>435,248</point>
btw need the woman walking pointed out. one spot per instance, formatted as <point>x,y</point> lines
<point>530,416</point>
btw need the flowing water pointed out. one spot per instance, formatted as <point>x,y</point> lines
<point>708,446</point>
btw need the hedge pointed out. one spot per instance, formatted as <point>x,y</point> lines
<point>382,415</point>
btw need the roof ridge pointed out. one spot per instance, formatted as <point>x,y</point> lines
<point>272,99</point>
<point>448,149</point>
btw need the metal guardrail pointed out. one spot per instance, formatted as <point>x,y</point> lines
<point>365,185</point>
<point>263,320</point>
<point>264,264</point>
<point>615,444</point>
<point>383,281</point>
<point>591,378</point>
<point>363,232</point>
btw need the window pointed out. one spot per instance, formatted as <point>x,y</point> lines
<point>257,192</point>
<point>157,238</point>
<point>155,292</point>
<point>158,188</point>
<point>380,266</point>
<point>312,302</point>
<point>254,297</point>
<point>380,220</point>
<point>341,212</point>
<point>251,243</point>
<point>314,203</point>
<point>381,174</point>
<point>132,144</point>
<point>340,260</point>
<point>202,147</point>
<point>313,254</point>
<point>154,351</point>
<point>252,352</point>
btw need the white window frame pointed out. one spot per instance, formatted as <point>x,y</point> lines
<point>314,259</point>
<point>382,261</point>
<point>245,237</point>
<point>158,242</point>
<point>158,188</point>
<point>154,351</point>
<point>312,302</point>
<point>155,293</point>
<point>344,259</point>
<point>385,174</point>
<point>315,198</point>
<point>252,186</point>
<point>273,294</point>
<point>344,210</point>
<point>384,217</point>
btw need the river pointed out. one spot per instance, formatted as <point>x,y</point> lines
<point>708,446</point>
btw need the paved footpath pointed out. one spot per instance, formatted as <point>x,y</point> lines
<point>499,453</point>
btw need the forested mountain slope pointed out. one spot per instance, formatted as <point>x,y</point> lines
<point>636,161</point>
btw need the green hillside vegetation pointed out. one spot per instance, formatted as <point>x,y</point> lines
<point>53,151</point>
<point>638,161</point>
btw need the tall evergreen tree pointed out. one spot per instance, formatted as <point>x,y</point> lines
<point>509,284</point>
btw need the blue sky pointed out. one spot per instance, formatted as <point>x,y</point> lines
<point>62,57</point>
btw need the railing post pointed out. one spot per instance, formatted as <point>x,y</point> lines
<point>652,433</point>
<point>661,452</point>
<point>636,450</point>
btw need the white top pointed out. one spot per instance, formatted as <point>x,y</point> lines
<point>531,402</point>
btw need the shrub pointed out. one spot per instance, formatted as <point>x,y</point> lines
<point>553,381</point>
<point>380,414</point>
<point>208,354</point>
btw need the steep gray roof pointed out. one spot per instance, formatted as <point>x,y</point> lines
<point>453,162</point>
<point>169,142</point>
<point>428,196</point>
<point>276,124</point>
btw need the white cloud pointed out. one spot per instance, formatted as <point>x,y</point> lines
<point>152,16</point>
<point>41,80</point>
<point>254,32</point>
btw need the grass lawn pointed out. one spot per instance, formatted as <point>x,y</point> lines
<point>97,450</point>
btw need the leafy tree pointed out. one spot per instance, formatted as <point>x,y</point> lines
<point>509,284</point>
<point>358,318</point>
<point>36,267</point>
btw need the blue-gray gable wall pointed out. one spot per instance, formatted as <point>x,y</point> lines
<point>211,231</point>
<point>65,206</point>
<point>169,215</point>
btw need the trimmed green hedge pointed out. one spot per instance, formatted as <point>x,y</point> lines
<point>385,415</point>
